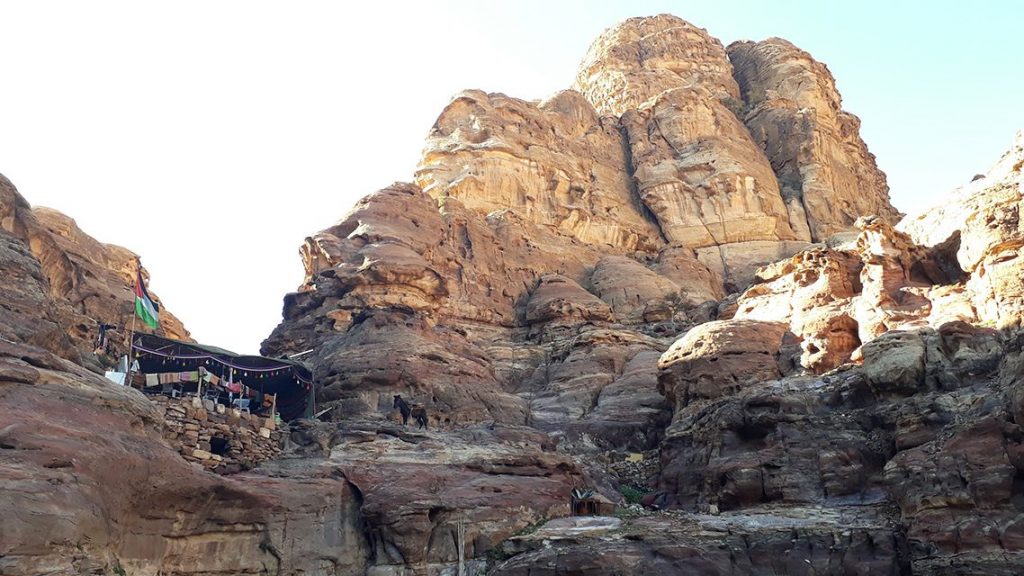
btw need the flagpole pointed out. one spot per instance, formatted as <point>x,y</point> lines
<point>131,336</point>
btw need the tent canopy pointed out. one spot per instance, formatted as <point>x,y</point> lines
<point>290,380</point>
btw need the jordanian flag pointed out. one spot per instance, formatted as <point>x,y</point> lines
<point>148,310</point>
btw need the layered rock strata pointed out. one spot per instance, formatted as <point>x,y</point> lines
<point>92,484</point>
<point>984,219</point>
<point>554,291</point>
<point>89,486</point>
<point>539,233</point>
<point>927,425</point>
<point>792,108</point>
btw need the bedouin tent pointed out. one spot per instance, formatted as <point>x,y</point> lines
<point>290,380</point>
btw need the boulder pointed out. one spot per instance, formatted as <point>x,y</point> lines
<point>894,363</point>
<point>635,292</point>
<point>719,358</point>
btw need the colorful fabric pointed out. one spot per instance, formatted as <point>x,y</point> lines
<point>145,307</point>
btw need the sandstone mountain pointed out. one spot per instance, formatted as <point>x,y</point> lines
<point>546,247</point>
<point>690,258</point>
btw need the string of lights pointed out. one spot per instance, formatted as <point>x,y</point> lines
<point>182,360</point>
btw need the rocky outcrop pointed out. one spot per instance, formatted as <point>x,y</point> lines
<point>719,358</point>
<point>835,299</point>
<point>984,216</point>
<point>635,292</point>
<point>62,283</point>
<point>559,299</point>
<point>865,437</point>
<point>701,175</point>
<point>344,499</point>
<point>925,426</point>
<point>695,165</point>
<point>626,205</point>
<point>793,110</point>
<point>599,390</point>
<point>105,270</point>
<point>415,489</point>
<point>761,542</point>
<point>27,313</point>
<point>90,486</point>
<point>554,291</point>
<point>640,58</point>
<point>557,163</point>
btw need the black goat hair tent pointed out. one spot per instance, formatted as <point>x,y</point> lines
<point>290,380</point>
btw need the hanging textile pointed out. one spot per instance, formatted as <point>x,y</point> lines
<point>115,377</point>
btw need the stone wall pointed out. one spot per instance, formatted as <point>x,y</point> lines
<point>192,429</point>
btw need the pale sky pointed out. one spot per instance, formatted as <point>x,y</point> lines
<point>213,137</point>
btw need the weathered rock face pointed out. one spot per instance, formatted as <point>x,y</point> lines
<point>985,216</point>
<point>106,269</point>
<point>793,111</point>
<point>89,486</point>
<point>71,281</point>
<point>640,58</point>
<point>415,489</point>
<point>701,175</point>
<point>27,314</point>
<point>637,293</point>
<point>833,300</point>
<point>354,498</point>
<point>930,423</point>
<point>923,425</point>
<point>695,165</point>
<point>527,291</point>
<point>623,206</point>
<point>556,163</point>
<point>718,358</point>
<point>761,542</point>
<point>983,219</point>
<point>599,391</point>
<point>481,305</point>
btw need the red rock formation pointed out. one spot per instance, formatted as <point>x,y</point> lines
<point>827,177</point>
<point>556,163</point>
<point>527,291</point>
<point>985,216</point>
<point>928,422</point>
<point>89,485</point>
<point>530,210</point>
<point>640,58</point>
<point>76,282</point>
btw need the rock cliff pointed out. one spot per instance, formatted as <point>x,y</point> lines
<point>72,283</point>
<point>538,233</point>
<point>916,412</point>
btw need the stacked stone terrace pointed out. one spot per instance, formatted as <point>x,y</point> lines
<point>224,440</point>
